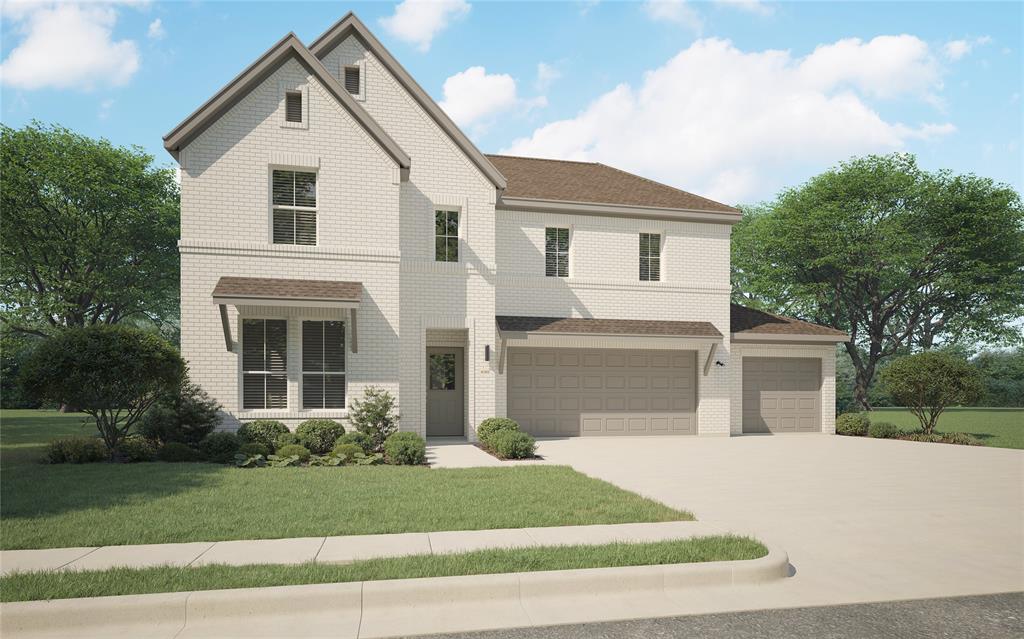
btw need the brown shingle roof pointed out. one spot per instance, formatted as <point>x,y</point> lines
<point>591,182</point>
<point>579,325</point>
<point>752,321</point>
<point>277,289</point>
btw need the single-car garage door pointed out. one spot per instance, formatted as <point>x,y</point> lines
<point>781,394</point>
<point>557,392</point>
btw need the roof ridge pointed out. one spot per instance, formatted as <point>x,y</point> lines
<point>667,186</point>
<point>525,157</point>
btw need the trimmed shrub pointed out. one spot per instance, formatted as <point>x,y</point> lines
<point>405,449</point>
<point>883,430</point>
<point>362,440</point>
<point>220,448</point>
<point>347,452</point>
<point>76,450</point>
<point>374,416</point>
<point>962,439</point>
<point>294,450</point>
<point>512,444</point>
<point>286,439</point>
<point>177,452</point>
<point>135,448</point>
<point>319,435</point>
<point>251,449</point>
<point>263,431</point>
<point>927,383</point>
<point>493,425</point>
<point>185,416</point>
<point>854,424</point>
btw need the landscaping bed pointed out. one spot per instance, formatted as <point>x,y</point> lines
<point>128,581</point>
<point>997,427</point>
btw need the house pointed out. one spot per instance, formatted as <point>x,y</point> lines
<point>339,231</point>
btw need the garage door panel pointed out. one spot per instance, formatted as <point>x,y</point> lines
<point>602,391</point>
<point>781,394</point>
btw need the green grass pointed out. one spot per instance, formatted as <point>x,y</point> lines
<point>50,506</point>
<point>998,427</point>
<point>130,581</point>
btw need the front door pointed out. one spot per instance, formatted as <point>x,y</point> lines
<point>445,394</point>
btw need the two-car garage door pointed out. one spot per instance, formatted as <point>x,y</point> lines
<point>781,394</point>
<point>556,392</point>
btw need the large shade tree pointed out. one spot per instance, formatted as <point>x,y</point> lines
<point>901,258</point>
<point>89,233</point>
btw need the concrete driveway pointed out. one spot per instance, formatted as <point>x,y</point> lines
<point>862,519</point>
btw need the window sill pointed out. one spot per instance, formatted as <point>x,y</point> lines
<point>295,125</point>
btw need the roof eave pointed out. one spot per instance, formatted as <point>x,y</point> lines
<point>617,210</point>
<point>748,336</point>
<point>350,24</point>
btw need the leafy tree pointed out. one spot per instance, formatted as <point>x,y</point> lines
<point>928,382</point>
<point>113,373</point>
<point>1002,375</point>
<point>15,348</point>
<point>89,232</point>
<point>374,416</point>
<point>900,258</point>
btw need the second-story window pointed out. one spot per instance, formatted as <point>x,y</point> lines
<point>556,252</point>
<point>293,201</point>
<point>446,236</point>
<point>293,106</point>
<point>650,257</point>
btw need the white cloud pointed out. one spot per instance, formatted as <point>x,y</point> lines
<point>546,75</point>
<point>105,108</point>
<point>156,30</point>
<point>418,21</point>
<point>675,11</point>
<point>736,125</point>
<point>957,49</point>
<point>752,6</point>
<point>67,46</point>
<point>474,97</point>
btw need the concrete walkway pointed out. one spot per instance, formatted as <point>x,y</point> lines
<point>339,550</point>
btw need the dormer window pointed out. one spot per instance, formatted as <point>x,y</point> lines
<point>293,106</point>
<point>352,80</point>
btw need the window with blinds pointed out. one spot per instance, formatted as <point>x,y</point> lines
<point>650,257</point>
<point>352,80</point>
<point>264,364</point>
<point>293,201</point>
<point>323,364</point>
<point>556,252</point>
<point>446,236</point>
<point>293,106</point>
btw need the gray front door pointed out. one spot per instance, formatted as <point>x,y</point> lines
<point>445,392</point>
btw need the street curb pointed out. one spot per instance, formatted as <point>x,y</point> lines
<point>390,607</point>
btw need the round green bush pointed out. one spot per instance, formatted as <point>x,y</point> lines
<point>76,450</point>
<point>220,448</point>
<point>405,449</point>
<point>135,448</point>
<point>262,431</point>
<point>177,452</point>
<point>295,450</point>
<point>511,444</point>
<point>493,425</point>
<point>286,439</point>
<point>251,449</point>
<point>347,451</point>
<point>884,430</point>
<point>319,435</point>
<point>361,440</point>
<point>186,415</point>
<point>962,438</point>
<point>854,424</point>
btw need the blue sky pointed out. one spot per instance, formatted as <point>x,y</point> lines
<point>734,100</point>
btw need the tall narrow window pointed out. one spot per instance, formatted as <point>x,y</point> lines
<point>352,80</point>
<point>264,364</point>
<point>446,236</point>
<point>323,364</point>
<point>650,257</point>
<point>293,106</point>
<point>556,252</point>
<point>294,207</point>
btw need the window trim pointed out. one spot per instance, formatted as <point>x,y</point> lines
<point>241,365</point>
<point>302,371</point>
<point>660,258</point>
<point>283,88</point>
<point>271,206</point>
<point>568,251</point>
<point>358,64</point>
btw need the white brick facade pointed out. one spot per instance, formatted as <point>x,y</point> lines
<point>376,228</point>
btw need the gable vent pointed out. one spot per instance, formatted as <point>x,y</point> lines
<point>293,106</point>
<point>352,80</point>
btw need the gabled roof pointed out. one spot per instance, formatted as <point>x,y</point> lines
<point>594,183</point>
<point>351,25</point>
<point>287,47</point>
<point>751,323</point>
<point>591,326</point>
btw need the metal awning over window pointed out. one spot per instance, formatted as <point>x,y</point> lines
<point>261,291</point>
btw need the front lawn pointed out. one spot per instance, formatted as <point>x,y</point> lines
<point>131,581</point>
<point>49,506</point>
<point>998,427</point>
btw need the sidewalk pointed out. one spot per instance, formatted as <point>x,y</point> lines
<point>338,550</point>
